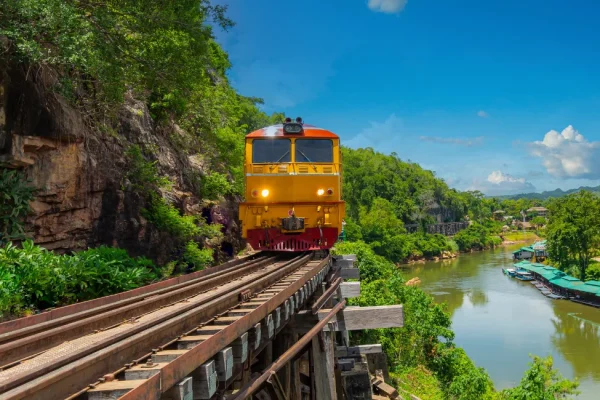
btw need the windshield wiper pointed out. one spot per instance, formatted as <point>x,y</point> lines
<point>308,159</point>
<point>280,158</point>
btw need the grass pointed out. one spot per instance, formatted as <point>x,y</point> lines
<point>418,381</point>
<point>520,236</point>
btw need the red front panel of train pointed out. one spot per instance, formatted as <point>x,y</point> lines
<point>273,239</point>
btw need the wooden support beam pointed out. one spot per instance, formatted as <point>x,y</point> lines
<point>224,364</point>
<point>181,391</point>
<point>350,289</point>
<point>383,388</point>
<point>204,381</point>
<point>324,367</point>
<point>240,349</point>
<point>350,273</point>
<point>359,318</point>
<point>356,351</point>
<point>354,318</point>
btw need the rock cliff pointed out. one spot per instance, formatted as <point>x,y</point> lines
<point>79,170</point>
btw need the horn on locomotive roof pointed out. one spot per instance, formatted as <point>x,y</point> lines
<point>293,127</point>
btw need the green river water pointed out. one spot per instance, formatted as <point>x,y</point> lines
<point>499,320</point>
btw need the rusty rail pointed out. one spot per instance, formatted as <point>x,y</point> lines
<point>325,296</point>
<point>185,364</point>
<point>288,356</point>
<point>53,317</point>
<point>67,376</point>
<point>21,344</point>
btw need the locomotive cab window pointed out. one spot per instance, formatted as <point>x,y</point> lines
<point>271,151</point>
<point>314,150</point>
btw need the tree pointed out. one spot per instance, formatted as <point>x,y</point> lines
<point>574,229</point>
<point>541,382</point>
<point>538,221</point>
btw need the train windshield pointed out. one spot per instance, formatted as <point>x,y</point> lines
<point>314,150</point>
<point>271,151</point>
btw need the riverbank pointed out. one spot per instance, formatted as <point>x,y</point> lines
<point>478,296</point>
<point>518,238</point>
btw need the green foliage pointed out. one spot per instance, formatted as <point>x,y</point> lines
<point>215,185</point>
<point>538,221</point>
<point>34,278</point>
<point>418,380</point>
<point>422,356</point>
<point>196,257</point>
<point>414,193</point>
<point>143,174</point>
<point>476,236</point>
<point>593,272</point>
<point>15,195</point>
<point>106,47</point>
<point>573,230</point>
<point>426,338</point>
<point>541,382</point>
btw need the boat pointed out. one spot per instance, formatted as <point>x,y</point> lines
<point>509,271</point>
<point>523,275</point>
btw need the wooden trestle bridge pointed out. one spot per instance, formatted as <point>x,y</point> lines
<point>260,327</point>
<point>445,228</point>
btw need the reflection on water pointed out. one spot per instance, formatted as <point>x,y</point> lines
<point>499,320</point>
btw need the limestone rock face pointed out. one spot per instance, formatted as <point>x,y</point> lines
<point>82,199</point>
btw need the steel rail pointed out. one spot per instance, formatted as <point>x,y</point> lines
<point>67,374</point>
<point>286,357</point>
<point>52,317</point>
<point>185,364</point>
<point>118,312</point>
<point>115,301</point>
<point>325,296</point>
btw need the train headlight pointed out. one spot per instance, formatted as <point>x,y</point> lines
<point>320,192</point>
<point>265,193</point>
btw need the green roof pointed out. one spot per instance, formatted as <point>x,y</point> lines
<point>550,273</point>
<point>568,282</point>
<point>590,287</point>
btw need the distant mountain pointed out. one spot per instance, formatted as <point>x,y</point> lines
<point>547,195</point>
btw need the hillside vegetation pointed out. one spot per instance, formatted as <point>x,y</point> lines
<point>545,195</point>
<point>383,193</point>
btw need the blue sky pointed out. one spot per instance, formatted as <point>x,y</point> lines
<point>499,96</point>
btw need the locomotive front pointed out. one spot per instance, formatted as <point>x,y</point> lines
<point>293,187</point>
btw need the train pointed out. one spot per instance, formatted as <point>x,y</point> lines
<point>293,188</point>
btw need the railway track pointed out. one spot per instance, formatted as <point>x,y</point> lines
<point>147,343</point>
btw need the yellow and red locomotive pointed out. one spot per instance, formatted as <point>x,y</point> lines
<point>293,183</point>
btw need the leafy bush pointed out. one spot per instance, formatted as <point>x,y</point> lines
<point>426,338</point>
<point>593,272</point>
<point>15,195</point>
<point>35,278</point>
<point>421,355</point>
<point>166,217</point>
<point>196,257</point>
<point>476,236</point>
<point>143,174</point>
<point>541,382</point>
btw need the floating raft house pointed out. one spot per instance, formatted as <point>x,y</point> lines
<point>566,285</point>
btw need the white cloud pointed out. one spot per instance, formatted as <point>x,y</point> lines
<point>482,114</point>
<point>568,154</point>
<point>377,133</point>
<point>497,177</point>
<point>499,183</point>
<point>387,6</point>
<point>461,142</point>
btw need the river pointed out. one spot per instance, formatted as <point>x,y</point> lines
<point>500,320</point>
